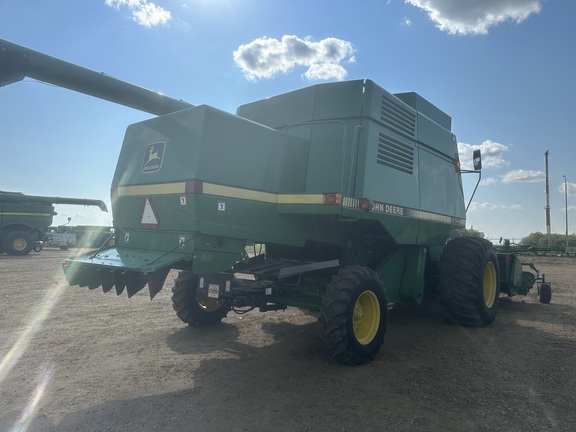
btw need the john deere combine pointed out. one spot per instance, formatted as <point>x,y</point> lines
<point>25,218</point>
<point>335,198</point>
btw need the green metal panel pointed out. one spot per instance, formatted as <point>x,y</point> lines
<point>403,274</point>
<point>317,103</point>
<point>212,145</point>
<point>426,108</point>
<point>37,216</point>
<point>440,185</point>
<point>328,116</point>
<point>389,170</point>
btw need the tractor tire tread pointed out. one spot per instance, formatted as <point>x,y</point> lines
<point>185,304</point>
<point>335,332</point>
<point>460,269</point>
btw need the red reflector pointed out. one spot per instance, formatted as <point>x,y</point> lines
<point>194,187</point>
<point>365,204</point>
<point>333,199</point>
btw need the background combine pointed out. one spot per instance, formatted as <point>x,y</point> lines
<point>344,193</point>
<point>24,219</point>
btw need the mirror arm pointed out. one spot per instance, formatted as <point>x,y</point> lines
<point>476,187</point>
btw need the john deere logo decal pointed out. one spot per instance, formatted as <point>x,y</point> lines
<point>153,156</point>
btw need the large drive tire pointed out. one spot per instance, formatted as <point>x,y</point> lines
<point>545,293</point>
<point>353,316</point>
<point>469,289</point>
<point>191,306</point>
<point>18,243</point>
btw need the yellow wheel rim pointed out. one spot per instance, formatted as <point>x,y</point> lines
<point>19,244</point>
<point>366,317</point>
<point>489,284</point>
<point>206,303</point>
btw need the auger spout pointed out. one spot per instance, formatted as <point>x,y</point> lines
<point>18,62</point>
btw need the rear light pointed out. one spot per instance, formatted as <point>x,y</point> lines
<point>365,204</point>
<point>194,187</point>
<point>334,199</point>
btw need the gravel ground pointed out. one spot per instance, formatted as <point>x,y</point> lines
<point>78,360</point>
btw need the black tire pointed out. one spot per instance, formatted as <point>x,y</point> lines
<point>353,316</point>
<point>18,243</point>
<point>191,306</point>
<point>545,293</point>
<point>469,288</point>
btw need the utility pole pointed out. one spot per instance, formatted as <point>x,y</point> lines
<point>547,200</point>
<point>566,204</point>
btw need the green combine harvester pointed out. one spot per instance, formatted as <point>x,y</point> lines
<point>336,198</point>
<point>24,219</point>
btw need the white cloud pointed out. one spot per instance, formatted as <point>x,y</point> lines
<point>492,154</point>
<point>474,206</point>
<point>144,12</point>
<point>488,181</point>
<point>570,186</point>
<point>523,176</point>
<point>475,16</point>
<point>266,57</point>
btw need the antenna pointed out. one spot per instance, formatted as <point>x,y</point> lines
<point>566,204</point>
<point>547,200</point>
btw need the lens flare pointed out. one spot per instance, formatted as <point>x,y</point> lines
<point>29,411</point>
<point>19,348</point>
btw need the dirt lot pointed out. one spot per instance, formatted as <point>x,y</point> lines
<point>78,360</point>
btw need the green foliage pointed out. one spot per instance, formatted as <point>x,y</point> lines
<point>540,239</point>
<point>466,232</point>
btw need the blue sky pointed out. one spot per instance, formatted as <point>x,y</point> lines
<point>502,69</point>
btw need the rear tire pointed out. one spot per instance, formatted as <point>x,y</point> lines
<point>191,306</point>
<point>353,316</point>
<point>545,293</point>
<point>469,288</point>
<point>18,243</point>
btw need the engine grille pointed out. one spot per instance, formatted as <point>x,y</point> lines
<point>397,117</point>
<point>395,154</point>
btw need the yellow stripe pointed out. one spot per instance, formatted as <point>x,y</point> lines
<point>223,191</point>
<point>232,192</point>
<point>25,214</point>
<point>158,189</point>
<point>300,199</point>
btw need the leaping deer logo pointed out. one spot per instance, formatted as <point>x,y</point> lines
<point>153,156</point>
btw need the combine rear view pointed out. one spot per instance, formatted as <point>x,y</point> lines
<point>336,198</point>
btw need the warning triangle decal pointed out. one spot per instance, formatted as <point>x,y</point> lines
<point>149,217</point>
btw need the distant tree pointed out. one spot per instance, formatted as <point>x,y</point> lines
<point>540,239</point>
<point>466,232</point>
<point>532,239</point>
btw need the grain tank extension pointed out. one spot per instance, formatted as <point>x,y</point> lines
<point>336,198</point>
